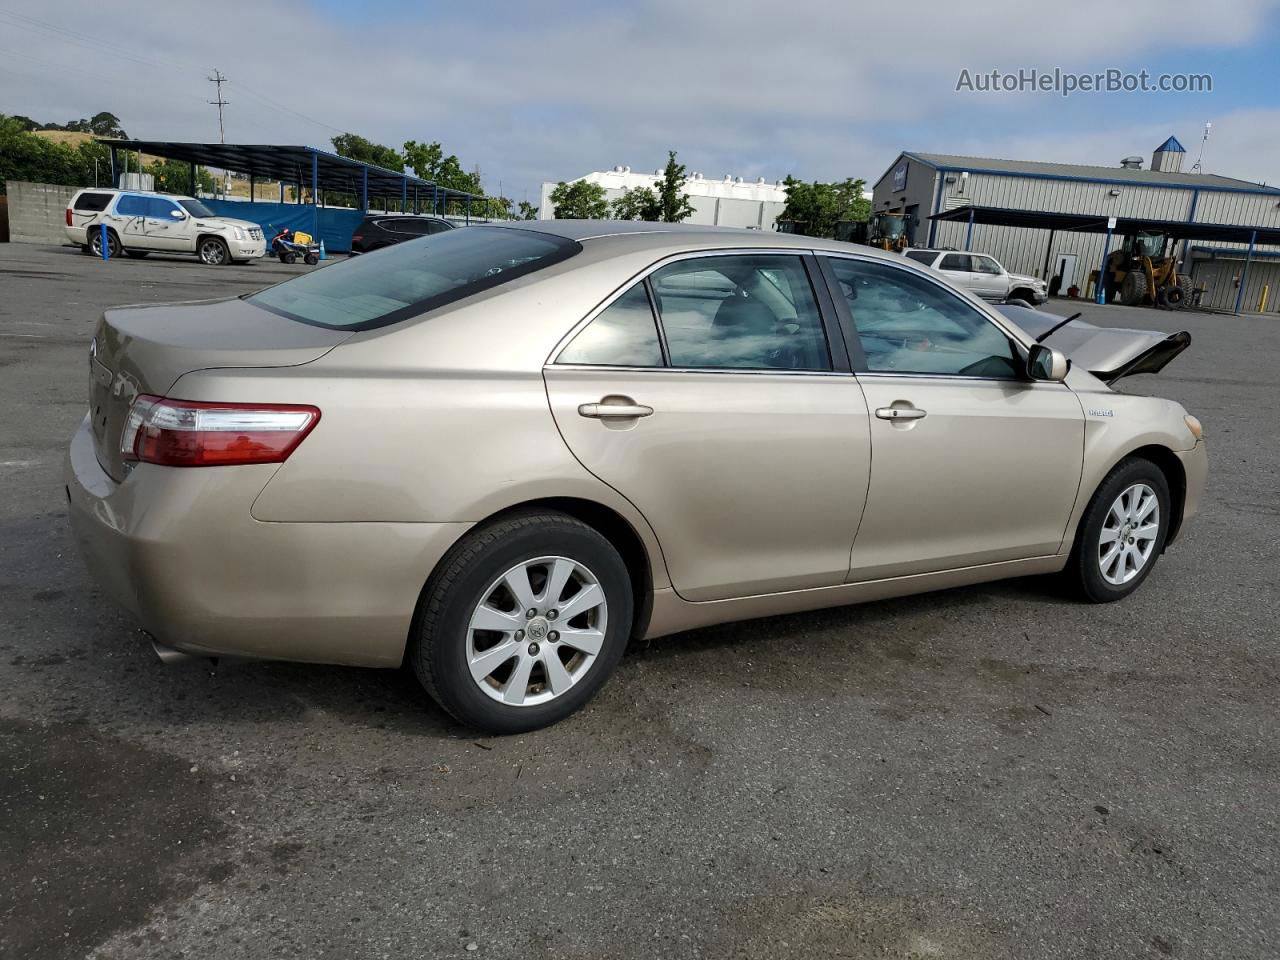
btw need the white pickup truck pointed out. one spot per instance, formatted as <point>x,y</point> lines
<point>139,223</point>
<point>981,275</point>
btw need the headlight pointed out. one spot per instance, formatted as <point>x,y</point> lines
<point>239,233</point>
<point>1197,430</point>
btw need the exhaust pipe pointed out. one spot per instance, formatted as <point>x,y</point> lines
<point>168,655</point>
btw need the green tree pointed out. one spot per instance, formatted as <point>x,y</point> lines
<point>674,205</point>
<point>428,161</point>
<point>526,211</point>
<point>106,124</point>
<point>356,147</point>
<point>815,208</point>
<point>174,176</point>
<point>26,122</point>
<point>580,200</point>
<point>638,203</point>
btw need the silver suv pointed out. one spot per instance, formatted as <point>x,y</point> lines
<point>139,223</point>
<point>982,275</point>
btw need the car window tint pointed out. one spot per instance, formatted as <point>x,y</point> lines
<point>408,279</point>
<point>955,261</point>
<point>130,205</point>
<point>923,256</point>
<point>92,202</point>
<point>753,312</point>
<point>439,226</point>
<point>411,226</point>
<point>621,335</point>
<point>909,324</point>
<point>161,209</point>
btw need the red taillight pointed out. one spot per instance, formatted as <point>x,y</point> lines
<point>68,216</point>
<point>188,433</point>
<point>356,238</point>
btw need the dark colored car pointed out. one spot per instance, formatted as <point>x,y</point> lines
<point>382,230</point>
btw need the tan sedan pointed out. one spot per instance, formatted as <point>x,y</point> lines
<point>498,453</point>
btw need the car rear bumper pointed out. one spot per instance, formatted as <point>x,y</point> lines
<point>178,549</point>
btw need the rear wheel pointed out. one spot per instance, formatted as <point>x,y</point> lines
<point>213,252</point>
<point>1133,290</point>
<point>522,623</point>
<point>1122,532</point>
<point>95,243</point>
<point>289,257</point>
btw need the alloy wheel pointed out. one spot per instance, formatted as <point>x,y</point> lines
<point>212,252</point>
<point>536,631</point>
<point>1129,533</point>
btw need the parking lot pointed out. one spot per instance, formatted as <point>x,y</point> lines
<point>988,772</point>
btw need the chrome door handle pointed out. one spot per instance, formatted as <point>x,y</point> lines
<point>900,413</point>
<point>614,411</point>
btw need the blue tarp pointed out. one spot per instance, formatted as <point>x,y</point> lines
<point>335,227</point>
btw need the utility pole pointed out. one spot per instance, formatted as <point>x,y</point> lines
<point>218,80</point>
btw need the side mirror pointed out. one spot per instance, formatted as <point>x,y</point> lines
<point>178,214</point>
<point>1046,363</point>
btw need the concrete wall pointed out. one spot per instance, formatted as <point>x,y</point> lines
<point>38,211</point>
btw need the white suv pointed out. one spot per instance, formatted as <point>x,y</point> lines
<point>138,223</point>
<point>982,275</point>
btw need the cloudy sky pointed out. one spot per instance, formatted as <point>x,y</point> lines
<point>554,89</point>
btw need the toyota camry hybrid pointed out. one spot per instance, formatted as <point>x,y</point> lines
<point>499,453</point>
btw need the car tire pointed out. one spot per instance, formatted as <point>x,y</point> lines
<point>1025,295</point>
<point>469,587</point>
<point>113,243</point>
<point>1115,519</point>
<point>136,254</point>
<point>213,252</point>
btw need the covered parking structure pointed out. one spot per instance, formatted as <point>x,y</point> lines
<point>1248,237</point>
<point>308,168</point>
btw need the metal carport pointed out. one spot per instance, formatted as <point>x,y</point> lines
<point>1185,230</point>
<point>319,170</point>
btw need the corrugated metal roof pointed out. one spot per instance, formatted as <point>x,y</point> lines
<point>1073,171</point>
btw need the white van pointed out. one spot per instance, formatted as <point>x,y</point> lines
<point>139,223</point>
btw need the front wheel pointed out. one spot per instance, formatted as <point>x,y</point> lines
<point>522,622</point>
<point>1122,532</point>
<point>214,252</point>
<point>310,259</point>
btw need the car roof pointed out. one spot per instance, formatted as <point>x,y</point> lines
<point>143,193</point>
<point>659,235</point>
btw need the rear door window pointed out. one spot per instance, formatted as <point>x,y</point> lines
<point>956,261</point>
<point>922,256</point>
<point>131,205</point>
<point>408,279</point>
<point>743,311</point>
<point>439,226</point>
<point>92,202</point>
<point>621,335</point>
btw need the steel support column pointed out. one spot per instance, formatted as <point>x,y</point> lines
<point>968,233</point>
<point>1244,271</point>
<point>1099,295</point>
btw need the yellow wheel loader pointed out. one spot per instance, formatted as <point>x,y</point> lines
<point>1143,271</point>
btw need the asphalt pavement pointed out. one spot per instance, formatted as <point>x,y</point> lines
<point>989,772</point>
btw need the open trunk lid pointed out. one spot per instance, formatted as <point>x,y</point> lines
<point>1109,353</point>
<point>145,349</point>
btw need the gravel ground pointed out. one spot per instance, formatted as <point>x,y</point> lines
<point>990,772</point>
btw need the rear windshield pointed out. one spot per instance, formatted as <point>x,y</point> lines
<point>413,277</point>
<point>196,208</point>
<point>923,256</point>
